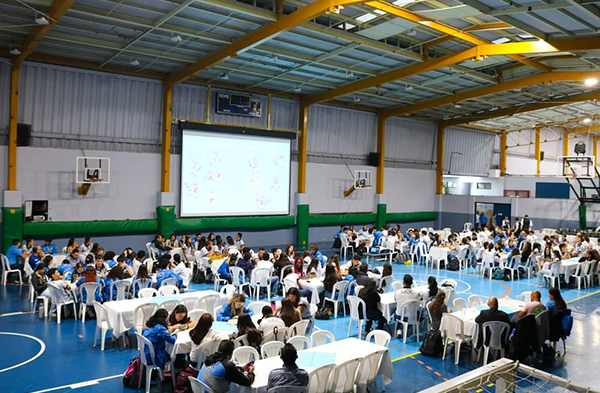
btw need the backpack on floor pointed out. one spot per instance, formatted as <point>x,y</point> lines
<point>453,264</point>
<point>432,344</point>
<point>337,243</point>
<point>498,274</point>
<point>324,313</point>
<point>199,277</point>
<point>131,376</point>
<point>183,384</point>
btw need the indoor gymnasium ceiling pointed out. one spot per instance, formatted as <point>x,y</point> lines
<point>159,37</point>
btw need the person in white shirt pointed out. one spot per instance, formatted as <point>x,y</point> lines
<point>59,281</point>
<point>364,232</point>
<point>27,246</point>
<point>182,270</point>
<point>87,245</point>
<point>269,321</point>
<point>203,333</point>
<point>405,294</point>
<point>238,241</point>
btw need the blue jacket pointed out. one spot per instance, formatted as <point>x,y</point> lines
<point>319,256</point>
<point>99,297</point>
<point>483,219</point>
<point>166,273</point>
<point>246,266</point>
<point>158,336</point>
<point>224,271</point>
<point>13,254</point>
<point>33,260</point>
<point>106,293</point>
<point>65,268</point>
<point>377,235</point>
<point>225,313</point>
<point>50,249</point>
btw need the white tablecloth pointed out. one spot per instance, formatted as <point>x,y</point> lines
<point>344,350</point>
<point>387,305</point>
<point>568,266</point>
<point>316,286</point>
<point>120,312</point>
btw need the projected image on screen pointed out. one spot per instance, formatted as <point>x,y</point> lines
<point>234,174</point>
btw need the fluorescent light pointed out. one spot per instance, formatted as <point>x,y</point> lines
<point>591,82</point>
<point>411,33</point>
<point>356,99</point>
<point>501,40</point>
<point>409,88</point>
<point>346,26</point>
<point>457,105</point>
<point>225,77</point>
<point>41,20</point>
<point>297,89</point>
<point>380,12</point>
<point>401,3</point>
<point>366,17</point>
<point>15,51</point>
<point>134,62</point>
<point>526,36</point>
<point>587,120</point>
<point>176,38</point>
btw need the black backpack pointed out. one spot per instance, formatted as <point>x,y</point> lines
<point>199,277</point>
<point>432,344</point>
<point>337,243</point>
<point>324,313</point>
<point>453,264</point>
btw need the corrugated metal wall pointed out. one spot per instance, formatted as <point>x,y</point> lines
<point>189,103</point>
<point>410,143</point>
<point>468,152</point>
<point>4,101</point>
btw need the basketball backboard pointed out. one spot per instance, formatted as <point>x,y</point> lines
<point>362,179</point>
<point>92,170</point>
<point>576,166</point>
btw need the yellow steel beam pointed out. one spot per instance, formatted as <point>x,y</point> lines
<point>12,128</point>
<point>549,77</point>
<point>269,112</point>
<point>566,142</point>
<point>594,95</point>
<point>538,150</point>
<point>503,146</point>
<point>55,12</point>
<point>490,26</point>
<point>439,182</point>
<point>258,36</point>
<point>302,148</point>
<point>596,151</point>
<point>475,53</point>
<point>584,130</point>
<point>446,29</point>
<point>166,139</point>
<point>208,96</point>
<point>381,151</point>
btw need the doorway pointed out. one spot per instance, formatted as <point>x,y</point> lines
<point>489,209</point>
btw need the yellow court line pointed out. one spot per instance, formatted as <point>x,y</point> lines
<point>406,356</point>
<point>583,297</point>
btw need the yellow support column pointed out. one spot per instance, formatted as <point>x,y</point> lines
<point>302,147</point>
<point>503,143</point>
<point>381,150</point>
<point>12,130</point>
<point>208,94</point>
<point>566,143</point>
<point>439,189</point>
<point>596,151</point>
<point>166,139</point>
<point>538,151</point>
<point>269,112</point>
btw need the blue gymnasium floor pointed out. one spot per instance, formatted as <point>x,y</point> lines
<point>69,363</point>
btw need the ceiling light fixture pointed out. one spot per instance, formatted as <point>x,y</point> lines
<point>297,89</point>
<point>350,74</point>
<point>134,62</point>
<point>225,77</point>
<point>15,50</point>
<point>587,120</point>
<point>41,19</point>
<point>176,38</point>
<point>409,87</point>
<point>356,99</point>
<point>591,82</point>
<point>411,33</point>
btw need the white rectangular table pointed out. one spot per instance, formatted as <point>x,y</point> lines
<point>568,266</point>
<point>316,286</point>
<point>387,305</point>
<point>344,350</point>
<point>120,312</point>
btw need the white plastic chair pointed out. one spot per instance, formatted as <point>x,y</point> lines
<point>199,386</point>
<point>460,304</point>
<point>58,302</point>
<point>168,290</point>
<point>554,276</point>
<point>195,315</point>
<point>270,349</point>
<point>188,302</point>
<point>141,314</point>
<point>345,246</point>
<point>453,329</point>
<point>6,270</point>
<point>208,303</point>
<point>475,300</point>
<point>318,379</point>
<point>241,341</point>
<point>257,307</point>
<point>277,334</point>
<point>299,328</point>
<point>89,288</point>
<point>147,293</point>
<point>169,305</point>
<point>367,372</point>
<point>344,377</point>
<point>238,278</point>
<point>102,324</point>
<point>515,262</point>
<point>122,289</point>
<point>260,279</point>
<point>488,264</point>
<point>524,296</point>
<point>387,280</point>
<point>380,337</point>
<point>142,343</point>
<point>580,274</point>
<point>448,282</point>
<point>338,296</point>
<point>320,337</point>
<point>355,315</point>
<point>228,290</point>
<point>170,281</point>
<point>408,317</point>
<point>396,285</point>
<point>243,355</point>
<point>499,332</point>
<point>300,342</point>
<point>140,283</point>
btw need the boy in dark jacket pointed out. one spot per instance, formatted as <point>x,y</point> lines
<point>218,371</point>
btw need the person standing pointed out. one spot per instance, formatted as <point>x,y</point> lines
<point>483,219</point>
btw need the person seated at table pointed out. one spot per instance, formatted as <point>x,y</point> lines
<point>432,290</point>
<point>314,269</point>
<point>239,242</point>
<point>533,307</point>
<point>355,261</point>
<point>219,372</point>
<point>203,333</point>
<point>245,263</point>
<point>122,263</point>
<point>165,272</point>
<point>142,274</point>
<point>290,374</point>
<point>332,277</point>
<point>75,256</point>
<point>269,321</point>
<point>372,300</point>
<point>39,280</point>
<point>223,271</point>
<point>36,256</point>
<point>246,327</point>
<point>114,274</point>
<point>351,276</point>
<point>556,303</point>
<point>90,276</point>
<point>493,314</point>
<point>406,293</point>
<point>181,268</point>
<point>49,248</point>
<point>179,319</point>
<point>281,263</point>
<point>109,259</point>
<point>315,253</point>
<point>16,258</point>
<point>157,333</point>
<point>362,277</point>
<point>65,267</point>
<point>288,313</point>
<point>75,274</point>
<point>159,245</point>
<point>335,262</point>
<point>437,308</point>
<point>235,307</point>
<point>101,267</point>
<point>64,287</point>
<point>299,267</point>
<point>86,246</point>
<point>564,253</point>
<point>299,302</point>
<point>172,242</point>
<point>548,267</point>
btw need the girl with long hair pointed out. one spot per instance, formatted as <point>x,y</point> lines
<point>246,327</point>
<point>437,308</point>
<point>179,319</point>
<point>157,333</point>
<point>288,313</point>
<point>332,277</point>
<point>235,307</point>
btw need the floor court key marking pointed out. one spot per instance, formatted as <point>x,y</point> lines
<point>41,351</point>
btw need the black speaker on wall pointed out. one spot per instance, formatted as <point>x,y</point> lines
<point>373,159</point>
<point>541,156</point>
<point>23,134</point>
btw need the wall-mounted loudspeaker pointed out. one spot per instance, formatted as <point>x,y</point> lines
<point>373,159</point>
<point>541,156</point>
<point>23,134</point>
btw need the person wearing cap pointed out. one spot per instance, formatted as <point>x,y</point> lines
<point>39,279</point>
<point>290,374</point>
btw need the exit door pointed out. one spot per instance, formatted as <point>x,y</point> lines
<point>489,209</point>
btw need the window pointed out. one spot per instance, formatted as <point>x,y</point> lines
<point>450,184</point>
<point>516,193</point>
<point>484,186</point>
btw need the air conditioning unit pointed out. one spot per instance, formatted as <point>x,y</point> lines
<point>494,173</point>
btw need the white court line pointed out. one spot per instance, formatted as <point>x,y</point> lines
<point>80,384</point>
<point>42,349</point>
<point>12,314</point>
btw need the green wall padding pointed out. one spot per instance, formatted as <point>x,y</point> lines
<point>12,226</point>
<point>411,217</point>
<point>55,229</point>
<point>165,215</point>
<point>381,215</point>
<point>344,218</point>
<point>302,226</point>
<point>234,223</point>
<point>583,216</point>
